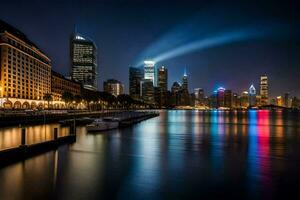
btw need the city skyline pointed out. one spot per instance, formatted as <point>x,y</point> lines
<point>140,99</point>
<point>24,78</point>
<point>209,68</point>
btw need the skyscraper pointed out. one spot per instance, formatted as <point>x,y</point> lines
<point>135,79</point>
<point>162,86</point>
<point>148,91</point>
<point>149,71</point>
<point>279,101</point>
<point>228,98</point>
<point>221,97</point>
<point>244,99</point>
<point>113,87</point>
<point>175,94</point>
<point>185,96</point>
<point>264,90</point>
<point>185,85</point>
<point>84,61</point>
<point>252,96</point>
<point>199,96</point>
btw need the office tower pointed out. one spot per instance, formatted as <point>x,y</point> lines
<point>148,91</point>
<point>25,71</point>
<point>83,52</point>
<point>264,90</point>
<point>185,85</point>
<point>220,97</point>
<point>279,101</point>
<point>135,79</point>
<point>162,86</point>
<point>149,71</point>
<point>244,99</point>
<point>228,98</point>
<point>185,96</point>
<point>113,87</point>
<point>252,96</point>
<point>175,94</point>
<point>235,100</point>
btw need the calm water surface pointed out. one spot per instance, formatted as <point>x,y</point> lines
<point>178,155</point>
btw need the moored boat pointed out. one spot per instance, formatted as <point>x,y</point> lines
<point>103,124</point>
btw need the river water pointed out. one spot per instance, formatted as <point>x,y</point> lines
<point>178,155</point>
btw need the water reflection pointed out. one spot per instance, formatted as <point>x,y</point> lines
<point>181,154</point>
<point>11,137</point>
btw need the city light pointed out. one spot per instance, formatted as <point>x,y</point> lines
<point>149,62</point>
<point>149,100</point>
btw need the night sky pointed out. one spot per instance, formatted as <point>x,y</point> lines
<point>220,44</point>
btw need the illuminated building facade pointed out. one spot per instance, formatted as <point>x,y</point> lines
<point>113,87</point>
<point>148,91</point>
<point>185,96</point>
<point>185,85</point>
<point>279,101</point>
<point>244,99</point>
<point>162,86</point>
<point>220,97</point>
<point>235,100</point>
<point>25,71</point>
<point>60,84</point>
<point>135,80</point>
<point>149,71</point>
<point>84,61</point>
<point>252,96</point>
<point>264,90</point>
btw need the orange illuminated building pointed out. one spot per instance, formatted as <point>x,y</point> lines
<point>25,71</point>
<point>60,84</point>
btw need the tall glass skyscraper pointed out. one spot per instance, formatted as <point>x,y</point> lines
<point>84,61</point>
<point>264,90</point>
<point>185,96</point>
<point>162,85</point>
<point>135,80</point>
<point>252,95</point>
<point>149,71</point>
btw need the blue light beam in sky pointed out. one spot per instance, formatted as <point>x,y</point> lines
<point>206,43</point>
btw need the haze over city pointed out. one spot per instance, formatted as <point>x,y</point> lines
<point>220,44</point>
